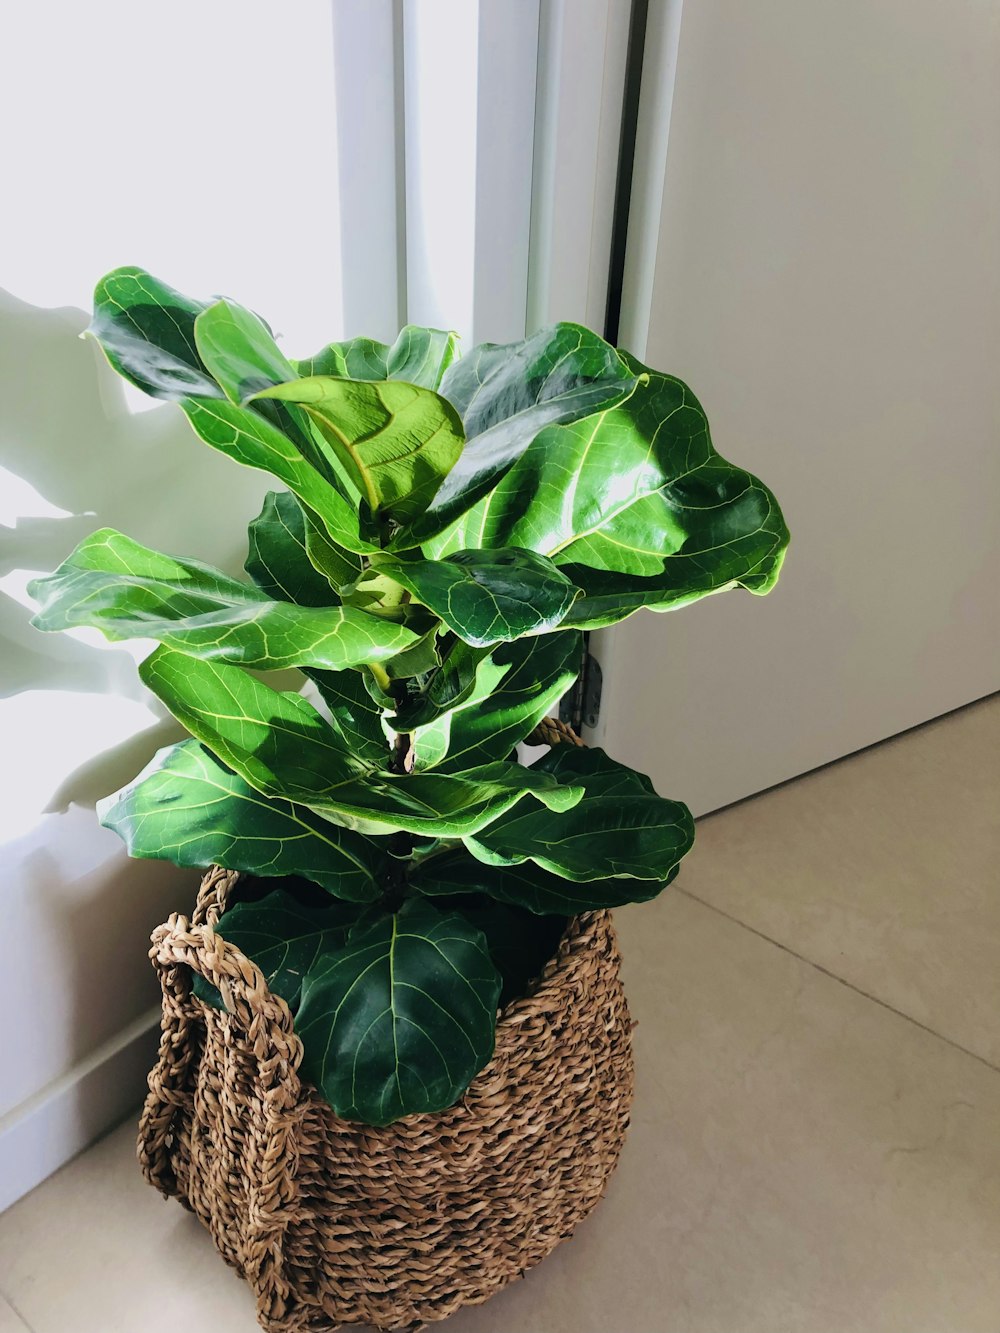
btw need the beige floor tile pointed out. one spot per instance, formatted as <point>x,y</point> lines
<point>10,1321</point>
<point>801,1161</point>
<point>883,868</point>
<point>95,1250</point>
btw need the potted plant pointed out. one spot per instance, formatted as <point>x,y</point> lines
<point>336,1095</point>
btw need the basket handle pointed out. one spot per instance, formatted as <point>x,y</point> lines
<point>270,1117</point>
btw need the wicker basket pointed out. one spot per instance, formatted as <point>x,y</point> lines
<point>335,1223</point>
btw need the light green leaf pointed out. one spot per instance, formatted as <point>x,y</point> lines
<point>505,394</point>
<point>244,435</point>
<point>621,828</point>
<point>146,331</point>
<point>400,1019</point>
<point>187,808</point>
<point>237,347</point>
<point>486,597</point>
<point>285,940</point>
<point>418,356</point>
<point>282,746</point>
<point>128,591</point>
<point>395,441</point>
<point>635,505</point>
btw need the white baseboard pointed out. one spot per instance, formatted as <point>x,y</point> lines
<point>44,1132</point>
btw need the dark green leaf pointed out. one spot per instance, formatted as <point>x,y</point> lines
<point>147,332</point>
<point>278,561</point>
<point>537,672</point>
<point>505,394</point>
<point>284,939</point>
<point>356,716</point>
<point>187,808</point>
<point>128,591</point>
<point>400,1019</point>
<point>520,942</point>
<point>454,682</point>
<point>244,435</point>
<point>620,828</point>
<point>395,441</point>
<point>529,887</point>
<point>282,747</point>
<point>487,597</point>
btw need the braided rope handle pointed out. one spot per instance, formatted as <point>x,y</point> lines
<point>269,1118</point>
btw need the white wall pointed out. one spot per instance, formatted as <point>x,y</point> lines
<point>203,146</point>
<point>825,260</point>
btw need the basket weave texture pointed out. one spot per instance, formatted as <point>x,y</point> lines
<point>335,1223</point>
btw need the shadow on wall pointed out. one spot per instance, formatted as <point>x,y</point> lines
<point>67,432</point>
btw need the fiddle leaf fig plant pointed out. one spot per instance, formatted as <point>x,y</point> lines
<point>443,530</point>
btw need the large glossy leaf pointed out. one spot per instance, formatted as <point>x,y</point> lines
<point>400,1019</point>
<point>636,494</point>
<point>487,597</point>
<point>620,828</point>
<point>244,435</point>
<point>278,561</point>
<point>520,942</point>
<point>537,672</point>
<point>528,886</point>
<point>282,746</point>
<point>506,394</point>
<point>284,938</point>
<point>146,330</point>
<point>395,441</point>
<point>356,717</point>
<point>418,356</point>
<point>454,682</point>
<point>188,808</point>
<point>128,591</point>
<point>237,347</point>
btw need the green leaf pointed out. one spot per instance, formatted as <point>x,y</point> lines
<point>520,942</point>
<point>356,717</point>
<point>128,591</point>
<point>636,507</point>
<point>285,940</point>
<point>507,393</point>
<point>537,672</point>
<point>237,347</point>
<point>454,682</point>
<point>395,441</point>
<point>487,597</point>
<point>278,560</point>
<point>146,331</point>
<point>244,435</point>
<point>187,808</point>
<point>418,356</point>
<point>528,886</point>
<point>621,828</point>
<point>400,1019</point>
<point>284,748</point>
<point>421,356</point>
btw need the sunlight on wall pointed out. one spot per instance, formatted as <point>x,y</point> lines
<point>201,148</point>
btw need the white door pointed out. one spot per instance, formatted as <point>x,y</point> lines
<point>813,246</point>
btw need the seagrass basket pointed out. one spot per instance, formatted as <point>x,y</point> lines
<point>335,1223</point>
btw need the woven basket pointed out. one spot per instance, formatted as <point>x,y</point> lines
<point>335,1223</point>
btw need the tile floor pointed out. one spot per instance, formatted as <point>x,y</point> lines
<point>816,1138</point>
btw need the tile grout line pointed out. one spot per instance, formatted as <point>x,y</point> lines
<point>15,1311</point>
<point>849,985</point>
